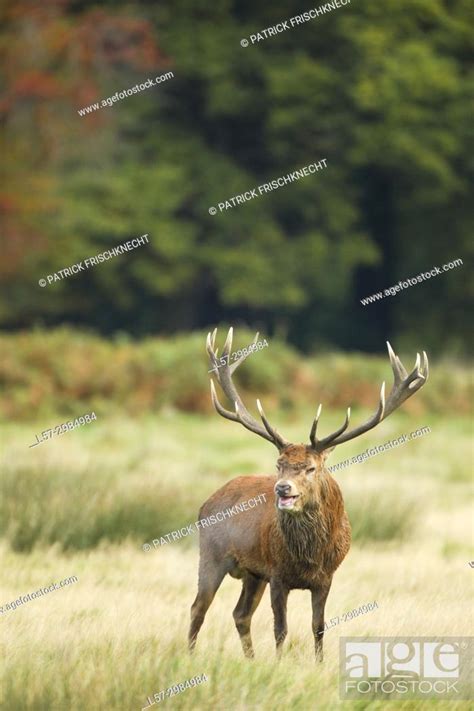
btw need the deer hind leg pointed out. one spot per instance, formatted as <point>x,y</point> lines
<point>211,576</point>
<point>279,598</point>
<point>318,601</point>
<point>252,591</point>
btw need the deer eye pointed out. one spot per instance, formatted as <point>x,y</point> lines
<point>311,470</point>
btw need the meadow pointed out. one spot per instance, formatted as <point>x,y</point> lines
<point>376,90</point>
<point>84,503</point>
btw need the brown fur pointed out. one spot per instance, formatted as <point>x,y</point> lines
<point>299,548</point>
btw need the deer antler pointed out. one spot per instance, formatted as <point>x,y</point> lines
<point>224,376</point>
<point>404,386</point>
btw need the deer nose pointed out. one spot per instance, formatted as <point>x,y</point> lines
<point>282,488</point>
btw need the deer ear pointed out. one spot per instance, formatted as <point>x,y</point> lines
<point>325,454</point>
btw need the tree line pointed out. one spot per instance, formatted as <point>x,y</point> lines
<point>379,90</point>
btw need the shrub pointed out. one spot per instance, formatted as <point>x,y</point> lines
<point>67,372</point>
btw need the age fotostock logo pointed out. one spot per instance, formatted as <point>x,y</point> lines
<point>406,667</point>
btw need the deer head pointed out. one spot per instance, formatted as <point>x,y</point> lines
<point>300,467</point>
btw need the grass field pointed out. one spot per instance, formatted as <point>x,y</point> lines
<point>84,503</point>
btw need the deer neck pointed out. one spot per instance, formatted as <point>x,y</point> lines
<point>303,535</point>
<point>307,533</point>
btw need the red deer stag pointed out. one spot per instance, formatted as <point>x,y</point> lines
<point>299,537</point>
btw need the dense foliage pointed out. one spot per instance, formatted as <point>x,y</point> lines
<point>60,374</point>
<point>378,89</point>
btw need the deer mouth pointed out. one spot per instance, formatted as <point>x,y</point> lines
<point>287,502</point>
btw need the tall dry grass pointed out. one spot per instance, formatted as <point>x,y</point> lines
<point>114,480</point>
<point>84,503</point>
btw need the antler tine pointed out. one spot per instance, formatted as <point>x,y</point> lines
<point>338,437</point>
<point>235,416</point>
<point>238,416</point>
<point>399,372</point>
<point>271,435</point>
<point>274,434</point>
<point>240,360</point>
<point>227,350</point>
<point>404,385</point>
<point>210,350</point>
<point>326,441</point>
<point>224,377</point>
<point>409,385</point>
<point>415,374</point>
<point>221,410</point>
<point>312,434</point>
<point>426,368</point>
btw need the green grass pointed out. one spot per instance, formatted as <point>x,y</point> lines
<point>390,517</point>
<point>84,503</point>
<point>114,480</point>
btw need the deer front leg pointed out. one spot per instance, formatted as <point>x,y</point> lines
<point>318,601</point>
<point>279,598</point>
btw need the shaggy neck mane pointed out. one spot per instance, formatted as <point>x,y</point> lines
<point>308,532</point>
